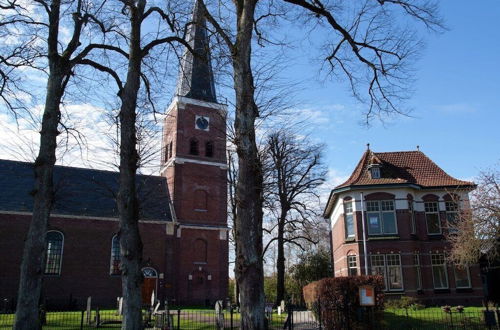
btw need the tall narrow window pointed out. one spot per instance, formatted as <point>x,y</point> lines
<point>209,149</point>
<point>53,263</point>
<point>114,265</point>
<point>394,273</point>
<point>462,277</point>
<point>432,218</point>
<point>378,266</point>
<point>452,216</point>
<point>439,273</point>
<point>381,217</point>
<point>411,211</point>
<point>418,271</point>
<point>349,220</point>
<point>170,149</point>
<point>193,147</point>
<point>352,266</point>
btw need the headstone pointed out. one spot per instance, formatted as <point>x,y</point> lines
<point>218,307</point>
<point>153,300</point>
<point>282,305</point>
<point>269,308</point>
<point>89,310</point>
<point>279,310</point>
<point>156,307</point>
<point>120,305</point>
<point>219,315</point>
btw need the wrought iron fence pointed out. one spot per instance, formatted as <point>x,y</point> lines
<point>434,319</point>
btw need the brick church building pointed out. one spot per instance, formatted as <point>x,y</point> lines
<point>183,218</point>
<point>392,217</point>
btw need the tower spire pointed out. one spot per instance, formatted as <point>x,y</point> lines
<point>196,79</point>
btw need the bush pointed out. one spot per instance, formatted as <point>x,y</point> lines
<point>336,300</point>
<point>403,302</point>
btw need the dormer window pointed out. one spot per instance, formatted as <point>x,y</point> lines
<point>375,172</point>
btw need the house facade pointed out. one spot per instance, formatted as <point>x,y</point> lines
<point>392,217</point>
<point>183,210</point>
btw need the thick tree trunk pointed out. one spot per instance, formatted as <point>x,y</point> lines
<point>280,264</point>
<point>130,240</point>
<point>249,270</point>
<point>33,262</point>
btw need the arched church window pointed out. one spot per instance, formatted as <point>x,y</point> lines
<point>200,200</point>
<point>193,147</point>
<point>209,149</point>
<point>200,250</point>
<point>114,267</point>
<point>55,243</point>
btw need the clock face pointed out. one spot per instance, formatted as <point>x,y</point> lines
<point>202,123</point>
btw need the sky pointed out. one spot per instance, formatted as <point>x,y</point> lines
<point>456,104</point>
<point>455,118</point>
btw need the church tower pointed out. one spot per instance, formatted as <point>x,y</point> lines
<point>194,164</point>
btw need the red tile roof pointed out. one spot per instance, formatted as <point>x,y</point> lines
<point>401,167</point>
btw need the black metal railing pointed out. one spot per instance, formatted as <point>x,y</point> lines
<point>294,318</point>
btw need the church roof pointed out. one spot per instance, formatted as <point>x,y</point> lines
<point>196,79</point>
<point>401,167</point>
<point>81,192</point>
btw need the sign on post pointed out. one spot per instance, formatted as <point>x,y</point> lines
<point>367,295</point>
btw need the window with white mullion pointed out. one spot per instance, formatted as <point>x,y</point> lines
<point>439,271</point>
<point>381,217</point>
<point>432,218</point>
<point>394,272</point>
<point>352,265</point>
<point>418,271</point>
<point>378,266</point>
<point>349,220</point>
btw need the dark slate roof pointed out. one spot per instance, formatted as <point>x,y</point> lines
<point>81,191</point>
<point>196,79</point>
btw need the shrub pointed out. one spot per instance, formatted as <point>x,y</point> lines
<point>336,300</point>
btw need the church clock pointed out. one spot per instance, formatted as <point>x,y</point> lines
<point>202,123</point>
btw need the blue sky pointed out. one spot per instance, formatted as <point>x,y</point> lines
<point>456,105</point>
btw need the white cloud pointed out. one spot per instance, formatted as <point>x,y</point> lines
<point>333,179</point>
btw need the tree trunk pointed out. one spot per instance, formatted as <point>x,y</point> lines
<point>249,270</point>
<point>128,208</point>
<point>280,265</point>
<point>33,262</point>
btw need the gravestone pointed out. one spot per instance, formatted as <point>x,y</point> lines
<point>279,310</point>
<point>219,315</point>
<point>89,310</point>
<point>282,305</point>
<point>153,300</point>
<point>120,305</point>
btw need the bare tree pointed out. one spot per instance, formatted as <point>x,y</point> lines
<point>293,171</point>
<point>477,231</point>
<point>370,50</point>
<point>34,30</point>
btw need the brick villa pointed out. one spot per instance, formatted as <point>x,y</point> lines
<point>183,219</point>
<point>406,203</point>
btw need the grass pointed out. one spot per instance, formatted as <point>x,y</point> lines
<point>198,318</point>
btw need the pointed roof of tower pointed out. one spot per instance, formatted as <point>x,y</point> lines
<point>196,79</point>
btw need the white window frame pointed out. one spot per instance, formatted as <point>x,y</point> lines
<point>380,213</point>
<point>468,278</point>
<point>397,258</point>
<point>378,264</point>
<point>445,268</point>
<point>418,270</point>
<point>429,211</point>
<point>351,214</point>
<point>375,172</point>
<point>352,263</point>
<point>59,267</point>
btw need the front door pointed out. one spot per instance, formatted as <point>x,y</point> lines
<point>149,285</point>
